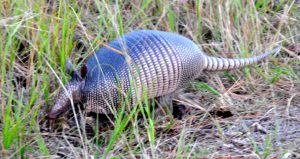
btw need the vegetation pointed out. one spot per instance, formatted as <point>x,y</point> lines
<point>250,112</point>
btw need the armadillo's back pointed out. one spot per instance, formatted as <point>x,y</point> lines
<point>161,62</point>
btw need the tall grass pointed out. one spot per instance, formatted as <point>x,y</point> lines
<point>38,36</point>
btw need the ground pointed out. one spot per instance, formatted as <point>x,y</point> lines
<point>246,113</point>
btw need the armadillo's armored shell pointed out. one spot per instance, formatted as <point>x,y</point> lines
<point>161,62</point>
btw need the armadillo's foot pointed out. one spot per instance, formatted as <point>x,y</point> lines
<point>179,111</point>
<point>90,121</point>
<point>51,125</point>
<point>102,122</point>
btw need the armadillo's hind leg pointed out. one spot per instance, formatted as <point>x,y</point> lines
<point>164,105</point>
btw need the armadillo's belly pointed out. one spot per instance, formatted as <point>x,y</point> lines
<point>160,63</point>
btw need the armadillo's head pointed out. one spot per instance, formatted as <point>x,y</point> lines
<point>70,93</point>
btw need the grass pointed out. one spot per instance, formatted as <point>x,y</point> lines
<point>38,37</point>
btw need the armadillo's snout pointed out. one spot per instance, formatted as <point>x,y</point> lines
<point>63,102</point>
<point>55,111</point>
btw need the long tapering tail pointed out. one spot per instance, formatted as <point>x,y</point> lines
<point>218,64</point>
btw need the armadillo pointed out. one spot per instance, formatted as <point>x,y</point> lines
<point>160,63</point>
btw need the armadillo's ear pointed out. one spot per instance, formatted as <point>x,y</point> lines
<point>71,70</point>
<point>68,66</point>
<point>83,71</point>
